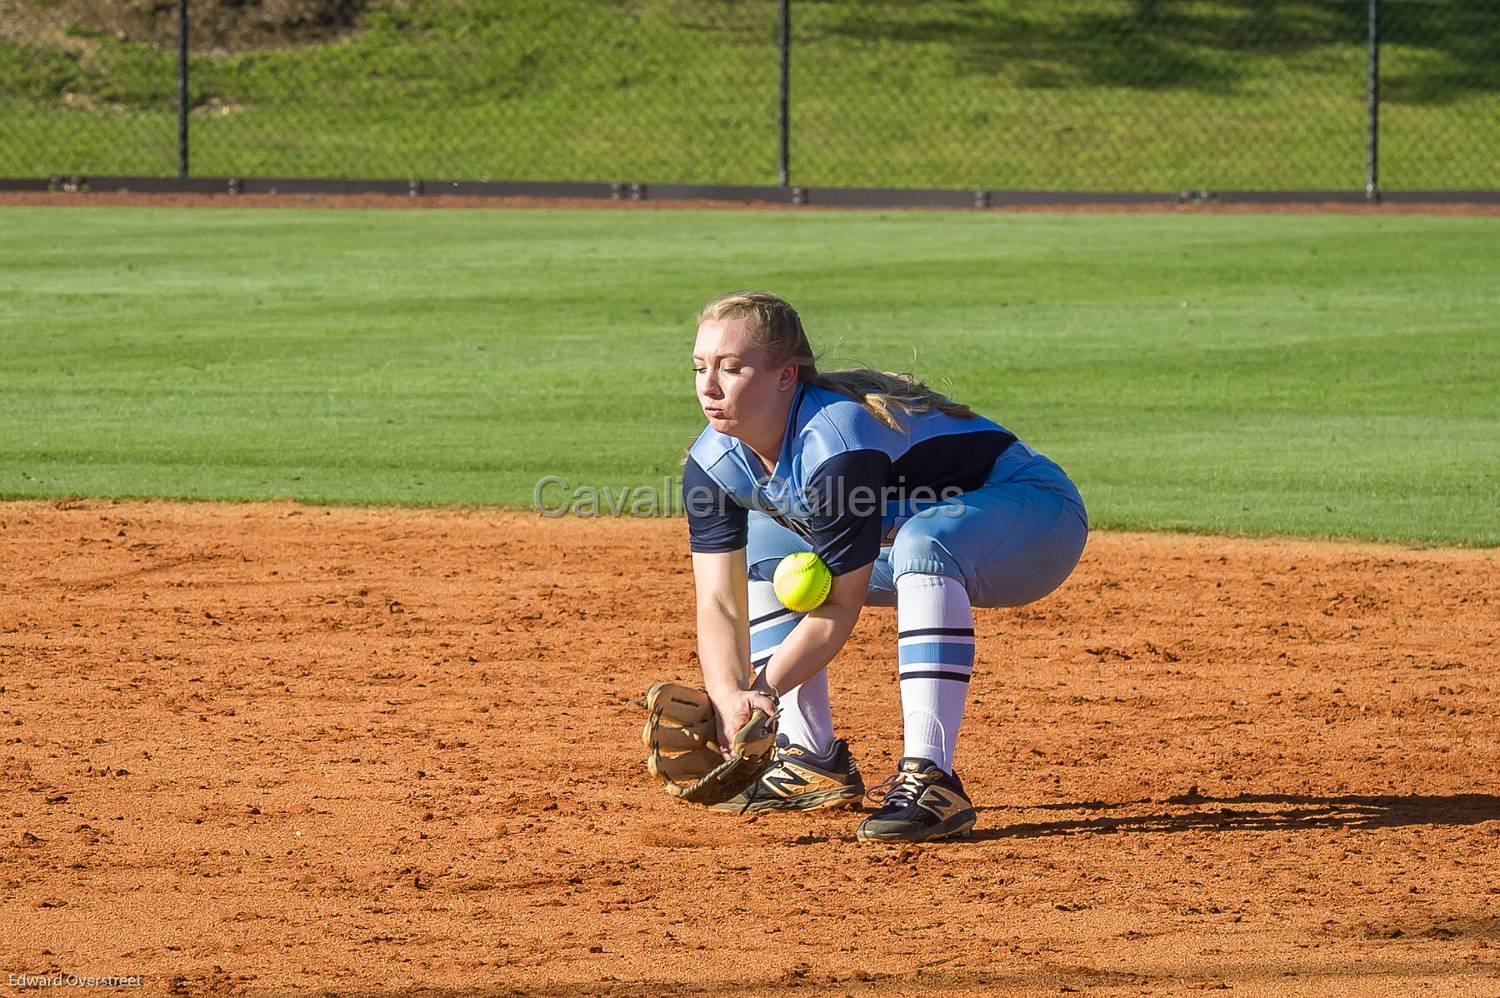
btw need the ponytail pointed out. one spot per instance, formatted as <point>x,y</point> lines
<point>886,393</point>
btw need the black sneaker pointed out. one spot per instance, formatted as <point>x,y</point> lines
<point>800,781</point>
<point>921,802</point>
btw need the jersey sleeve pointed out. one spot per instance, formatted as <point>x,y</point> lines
<point>846,496</point>
<point>716,522</point>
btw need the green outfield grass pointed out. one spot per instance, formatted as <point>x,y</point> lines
<point>1074,94</point>
<point>1311,375</point>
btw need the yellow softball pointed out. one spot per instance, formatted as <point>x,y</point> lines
<point>802,581</point>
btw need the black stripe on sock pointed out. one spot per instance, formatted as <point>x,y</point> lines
<point>783,612</point>
<point>960,677</point>
<point>967,632</point>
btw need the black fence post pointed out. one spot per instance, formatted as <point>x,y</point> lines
<point>182,88</point>
<point>784,154</point>
<point>1372,97</point>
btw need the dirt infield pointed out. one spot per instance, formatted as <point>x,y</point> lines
<point>256,749</point>
<point>339,202</point>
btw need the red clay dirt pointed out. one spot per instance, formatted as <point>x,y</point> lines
<point>259,749</point>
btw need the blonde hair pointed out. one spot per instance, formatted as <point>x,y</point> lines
<point>774,324</point>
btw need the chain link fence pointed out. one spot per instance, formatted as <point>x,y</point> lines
<point>1047,95</point>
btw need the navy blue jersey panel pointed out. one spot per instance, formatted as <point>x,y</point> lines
<point>846,496</point>
<point>959,461</point>
<point>716,522</point>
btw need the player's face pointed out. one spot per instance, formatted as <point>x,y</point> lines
<point>738,387</point>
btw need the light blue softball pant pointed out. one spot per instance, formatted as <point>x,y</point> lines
<point>1010,542</point>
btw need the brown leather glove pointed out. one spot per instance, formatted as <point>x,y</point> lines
<point>681,735</point>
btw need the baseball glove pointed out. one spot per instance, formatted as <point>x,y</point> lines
<point>681,734</point>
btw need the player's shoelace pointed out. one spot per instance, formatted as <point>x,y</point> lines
<point>900,789</point>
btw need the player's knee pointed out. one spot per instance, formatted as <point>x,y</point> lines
<point>915,550</point>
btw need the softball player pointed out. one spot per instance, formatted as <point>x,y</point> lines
<point>912,500</point>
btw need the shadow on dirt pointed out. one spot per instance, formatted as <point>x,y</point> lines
<point>1260,813</point>
<point>1044,978</point>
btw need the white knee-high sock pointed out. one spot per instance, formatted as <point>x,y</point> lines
<point>806,715</point>
<point>936,656</point>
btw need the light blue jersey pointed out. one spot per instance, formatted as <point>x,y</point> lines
<point>844,481</point>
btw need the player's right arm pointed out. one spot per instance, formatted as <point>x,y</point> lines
<point>723,621</point>
<point>718,530</point>
<point>719,579</point>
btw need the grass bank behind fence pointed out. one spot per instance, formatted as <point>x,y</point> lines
<point>1074,95</point>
